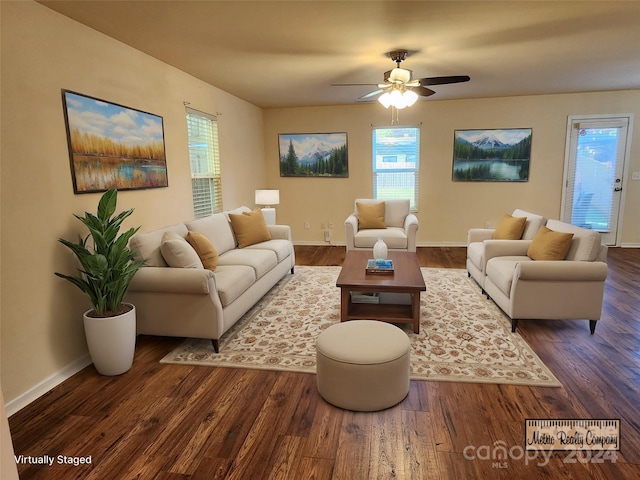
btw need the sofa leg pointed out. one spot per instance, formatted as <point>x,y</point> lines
<point>592,326</point>
<point>514,324</point>
<point>216,345</point>
<point>292,268</point>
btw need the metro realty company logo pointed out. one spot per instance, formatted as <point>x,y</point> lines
<point>572,434</point>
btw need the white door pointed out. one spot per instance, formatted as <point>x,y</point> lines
<point>596,156</point>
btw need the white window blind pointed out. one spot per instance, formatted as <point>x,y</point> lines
<point>396,160</point>
<point>592,174</point>
<point>204,157</point>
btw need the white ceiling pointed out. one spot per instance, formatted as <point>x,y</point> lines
<point>288,53</point>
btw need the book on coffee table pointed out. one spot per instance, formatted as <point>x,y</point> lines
<point>379,266</point>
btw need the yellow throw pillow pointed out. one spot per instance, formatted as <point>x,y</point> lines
<point>510,228</point>
<point>370,215</point>
<point>205,250</point>
<point>249,228</point>
<point>549,245</point>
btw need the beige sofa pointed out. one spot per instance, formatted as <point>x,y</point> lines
<point>197,302</point>
<point>525,288</point>
<point>477,239</point>
<point>398,228</point>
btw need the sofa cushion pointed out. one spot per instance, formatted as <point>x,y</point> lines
<point>394,237</point>
<point>249,228</point>
<point>260,260</point>
<point>370,215</point>
<point>549,245</point>
<point>533,223</point>
<point>177,252</point>
<point>395,212</point>
<point>205,250</point>
<point>147,245</point>
<point>510,228</point>
<point>500,271</point>
<point>282,248</point>
<point>217,229</point>
<point>585,245</point>
<point>232,281</point>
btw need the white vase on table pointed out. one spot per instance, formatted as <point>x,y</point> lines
<point>380,250</point>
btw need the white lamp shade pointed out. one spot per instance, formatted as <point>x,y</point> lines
<point>267,197</point>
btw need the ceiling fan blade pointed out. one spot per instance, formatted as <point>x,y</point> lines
<point>423,91</point>
<point>353,84</point>
<point>370,95</point>
<point>444,80</point>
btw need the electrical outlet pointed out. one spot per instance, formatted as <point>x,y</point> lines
<point>307,225</point>
<point>322,226</point>
<point>330,225</point>
<point>635,176</point>
<point>327,236</point>
<point>487,224</point>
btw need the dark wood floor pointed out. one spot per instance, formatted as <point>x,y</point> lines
<point>183,422</point>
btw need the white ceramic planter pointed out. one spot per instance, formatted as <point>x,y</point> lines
<point>111,341</point>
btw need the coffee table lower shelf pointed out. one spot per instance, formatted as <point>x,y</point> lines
<point>385,312</point>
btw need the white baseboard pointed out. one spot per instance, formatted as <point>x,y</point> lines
<point>312,243</point>
<point>630,245</point>
<point>43,387</point>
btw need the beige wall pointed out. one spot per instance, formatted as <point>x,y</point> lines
<point>446,209</point>
<point>42,53</point>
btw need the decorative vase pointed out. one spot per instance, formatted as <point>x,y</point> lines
<point>380,250</point>
<point>111,341</point>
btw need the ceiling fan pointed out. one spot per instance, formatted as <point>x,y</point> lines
<point>399,89</point>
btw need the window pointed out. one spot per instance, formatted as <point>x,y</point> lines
<point>396,155</point>
<point>204,157</point>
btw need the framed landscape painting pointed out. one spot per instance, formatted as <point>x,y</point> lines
<point>112,146</point>
<point>313,155</point>
<point>492,155</point>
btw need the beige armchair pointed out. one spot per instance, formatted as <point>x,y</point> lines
<point>527,288</point>
<point>390,220</point>
<point>477,239</point>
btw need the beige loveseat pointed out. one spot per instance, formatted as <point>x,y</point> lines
<point>188,300</point>
<point>395,225</point>
<point>477,239</point>
<point>528,288</point>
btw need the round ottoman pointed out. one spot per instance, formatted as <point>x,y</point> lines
<point>363,365</point>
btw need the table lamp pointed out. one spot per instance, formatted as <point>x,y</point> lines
<point>268,198</point>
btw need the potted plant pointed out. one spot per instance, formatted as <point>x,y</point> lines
<point>106,269</point>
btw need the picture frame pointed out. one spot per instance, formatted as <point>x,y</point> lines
<point>113,146</point>
<point>313,155</point>
<point>492,155</point>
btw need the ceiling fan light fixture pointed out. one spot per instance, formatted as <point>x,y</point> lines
<point>409,97</point>
<point>385,99</point>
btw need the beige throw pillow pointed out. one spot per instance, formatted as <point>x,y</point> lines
<point>370,215</point>
<point>549,245</point>
<point>249,228</point>
<point>510,228</point>
<point>177,252</point>
<point>205,250</point>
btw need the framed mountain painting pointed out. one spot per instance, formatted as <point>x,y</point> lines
<point>313,155</point>
<point>492,155</point>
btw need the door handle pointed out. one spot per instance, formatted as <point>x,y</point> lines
<point>617,189</point>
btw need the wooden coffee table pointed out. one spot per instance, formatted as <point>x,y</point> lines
<point>406,281</point>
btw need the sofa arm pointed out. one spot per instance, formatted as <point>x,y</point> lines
<point>282,232</point>
<point>351,228</point>
<point>504,248</point>
<point>479,234</point>
<point>561,270</point>
<point>173,280</point>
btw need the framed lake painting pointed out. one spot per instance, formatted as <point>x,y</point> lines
<point>113,146</point>
<point>492,155</point>
<point>313,155</point>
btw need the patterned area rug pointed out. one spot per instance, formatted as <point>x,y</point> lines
<point>463,336</point>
